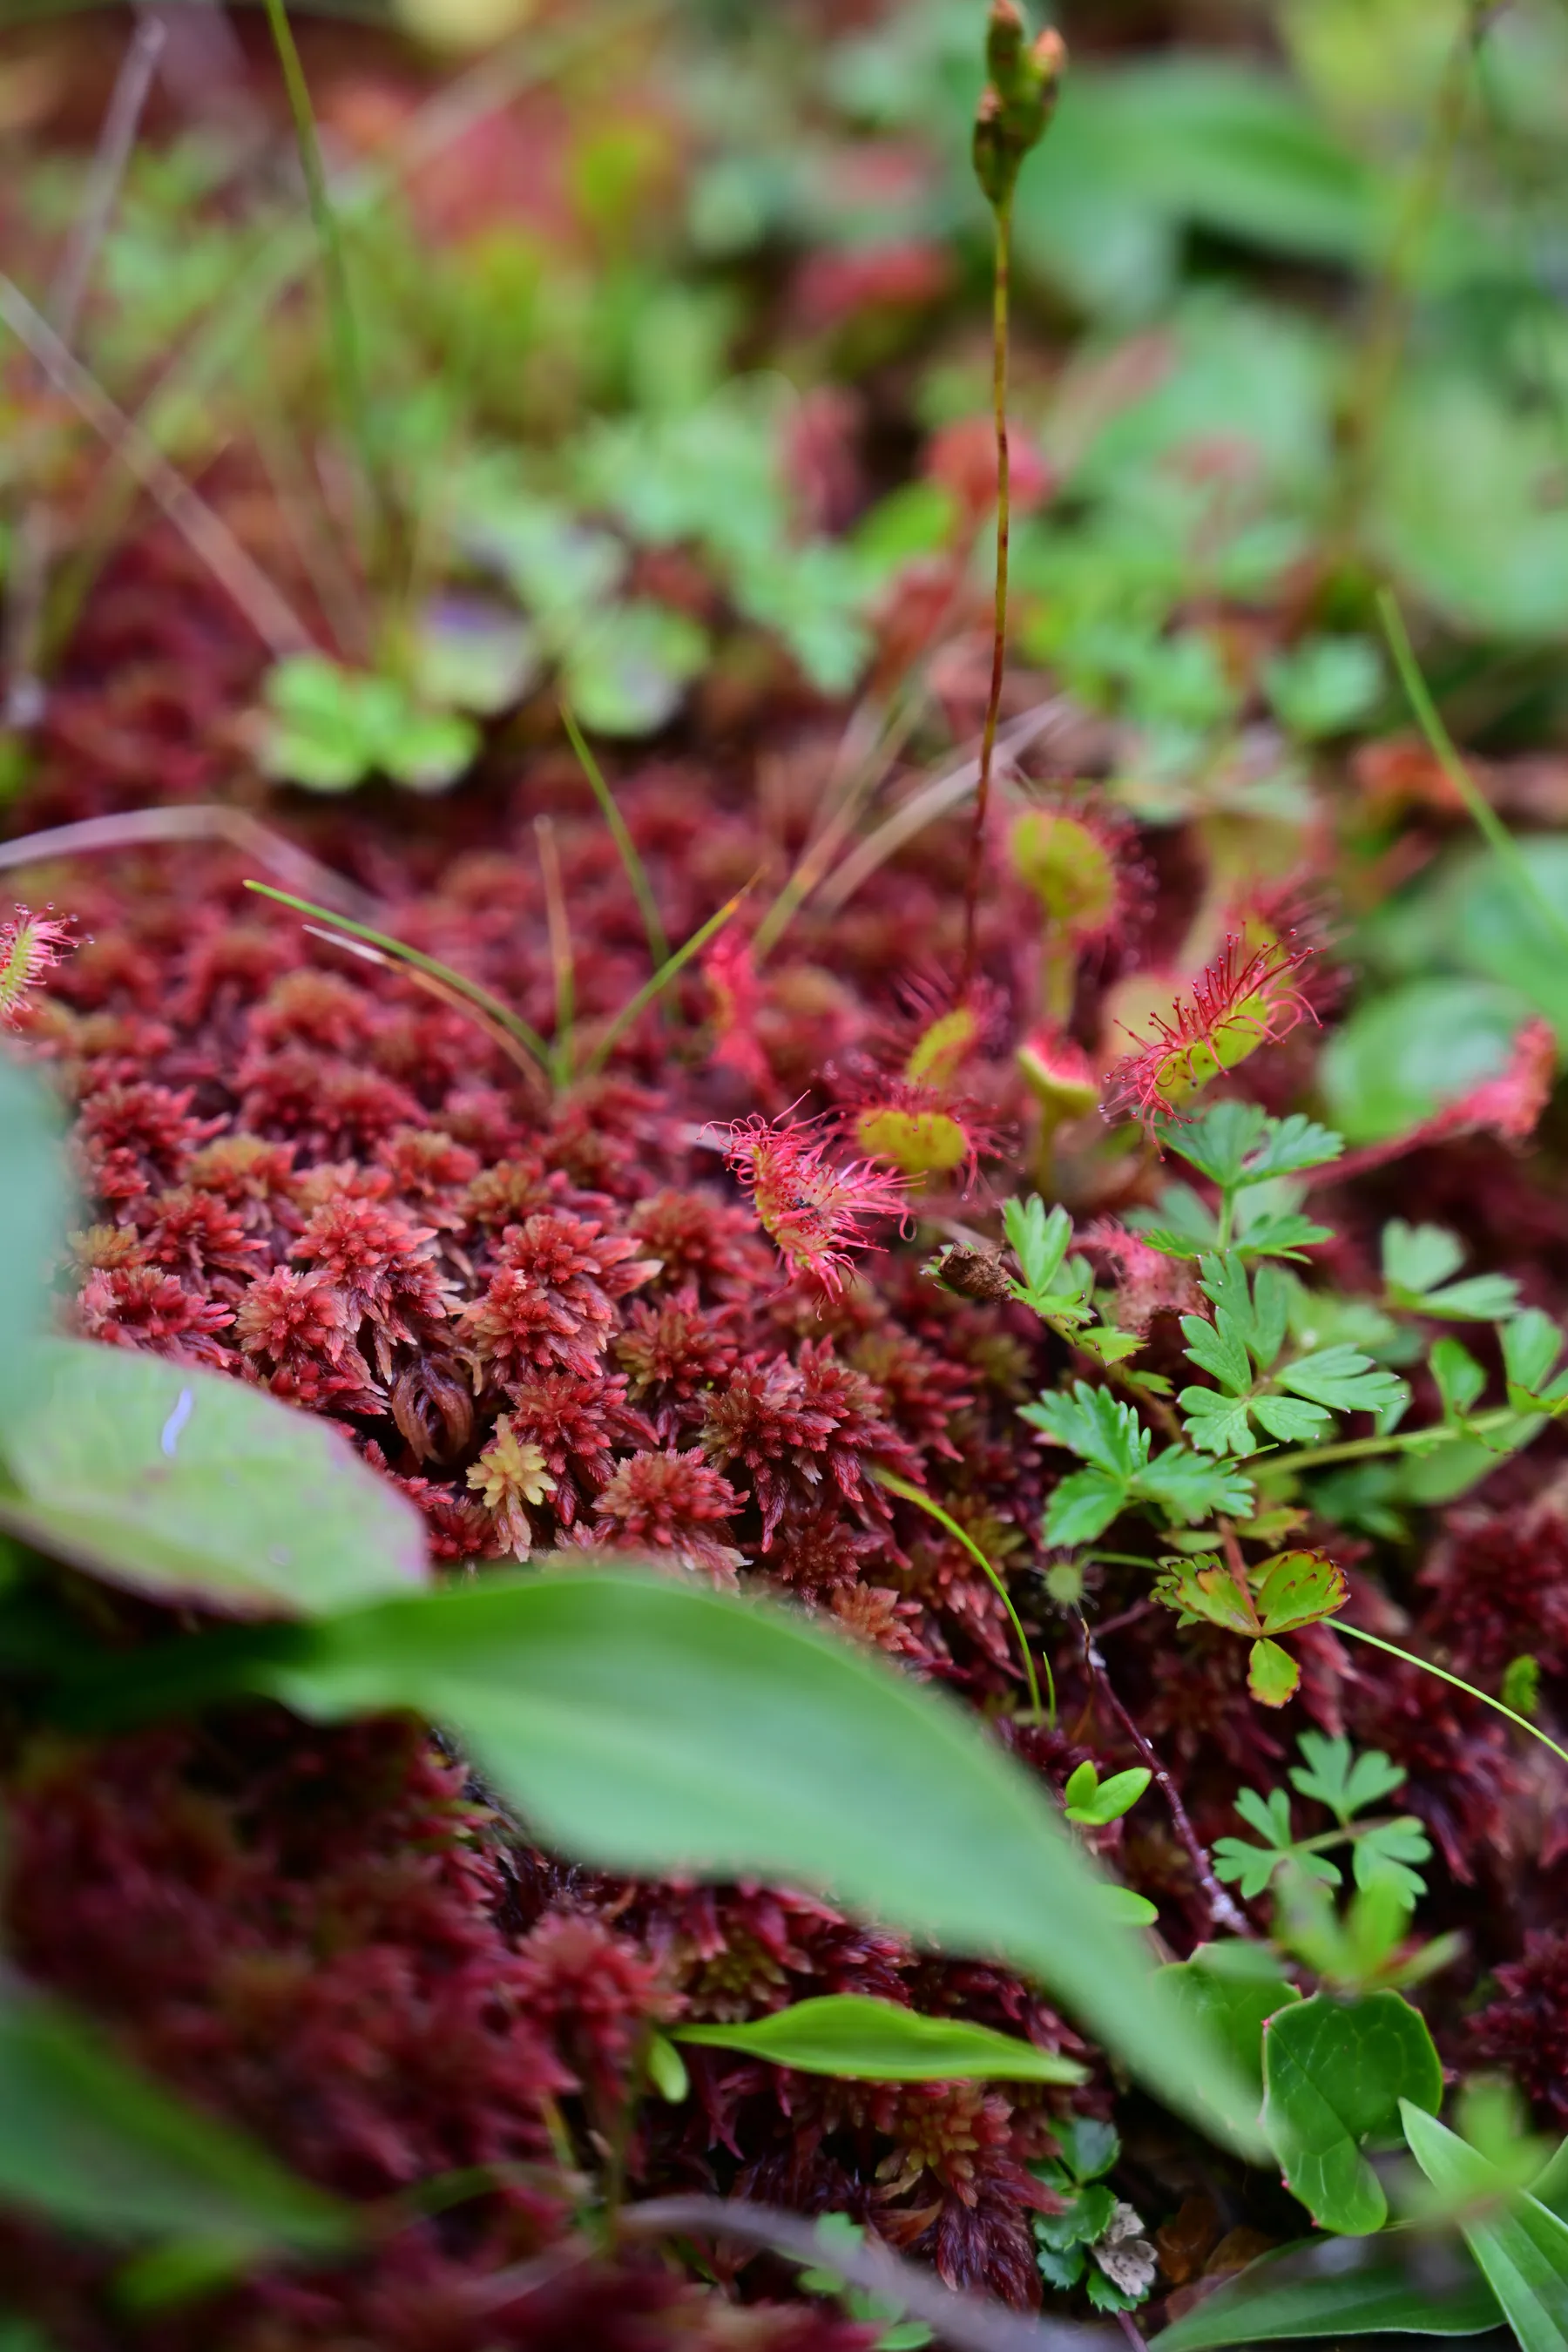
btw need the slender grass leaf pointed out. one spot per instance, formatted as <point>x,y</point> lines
<point>1335,2074</point>
<point>646,1724</point>
<point>35,1210</point>
<point>193,1488</point>
<point>92,2143</point>
<point>1337,2288</point>
<point>1521,2245</point>
<point>877,2042</point>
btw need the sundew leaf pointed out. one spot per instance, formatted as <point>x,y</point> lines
<point>193,1488</point>
<point>93,2144</point>
<point>1338,2289</point>
<point>35,1209</point>
<point>648,1726</point>
<point>1335,2074</point>
<point>877,2042</point>
<point>1521,2245</point>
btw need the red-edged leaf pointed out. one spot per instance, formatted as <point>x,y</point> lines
<point>1272,1673</point>
<point>1203,1586</point>
<point>1298,1588</point>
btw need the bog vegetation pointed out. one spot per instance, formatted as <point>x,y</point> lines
<point>783,1543</point>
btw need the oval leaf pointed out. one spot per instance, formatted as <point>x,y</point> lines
<point>649,1725</point>
<point>877,2042</point>
<point>1334,2074</point>
<point>90,2142</point>
<point>190,1486</point>
<point>1231,2004</point>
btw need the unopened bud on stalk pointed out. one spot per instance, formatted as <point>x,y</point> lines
<point>1023,80</point>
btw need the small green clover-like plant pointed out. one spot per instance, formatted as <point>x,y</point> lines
<point>903,2335</point>
<point>1419,1262</point>
<point>1249,1157</point>
<point>1294,1400</point>
<point>1281,1595</point>
<point>1383,1851</point>
<point>329,728</point>
<point>1058,1289</point>
<point>1122,1471</point>
<point>1092,1802</point>
<point>1097,2240</point>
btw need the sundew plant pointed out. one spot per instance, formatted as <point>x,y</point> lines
<point>783,1278</point>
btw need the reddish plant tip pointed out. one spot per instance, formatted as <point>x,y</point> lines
<point>29,946</point>
<point>1242,1001</point>
<point>810,1207</point>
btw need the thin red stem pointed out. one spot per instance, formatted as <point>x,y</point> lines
<point>999,631</point>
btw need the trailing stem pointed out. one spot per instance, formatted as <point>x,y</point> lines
<point>1223,1912</point>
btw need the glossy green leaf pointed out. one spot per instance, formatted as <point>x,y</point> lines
<point>35,1210</point>
<point>1402,1055</point>
<point>1335,2075</point>
<point>877,2042</point>
<point>1337,2289</point>
<point>1272,1673</point>
<point>646,1724</point>
<point>193,1488</point>
<point>1232,2003</point>
<point>90,2143</point>
<point>1520,2243</point>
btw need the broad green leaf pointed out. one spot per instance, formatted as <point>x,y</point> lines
<point>1384,1855</point>
<point>646,1724</point>
<point>1093,1424</point>
<point>1203,1588</point>
<point>1324,686</point>
<point>1039,1241</point>
<point>1231,2006</point>
<point>877,2042</point>
<point>1401,1055</point>
<point>1532,1344</point>
<point>88,2141</point>
<point>1479,1298</point>
<point>1272,1673</point>
<point>1296,1588</point>
<point>1343,1379</point>
<point>1219,1347</point>
<point>1335,1776</point>
<point>1276,1232</point>
<point>1218,1142</point>
<point>1092,1802</point>
<point>193,1488</point>
<point>35,1210</point>
<point>1334,2290</point>
<point>1521,2245</point>
<point>1192,1488</point>
<point>1218,1424</point>
<point>1291,1419</point>
<point>1417,1258</point>
<point>1334,2074</point>
<point>1459,1379</point>
<point>1082,1507</point>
